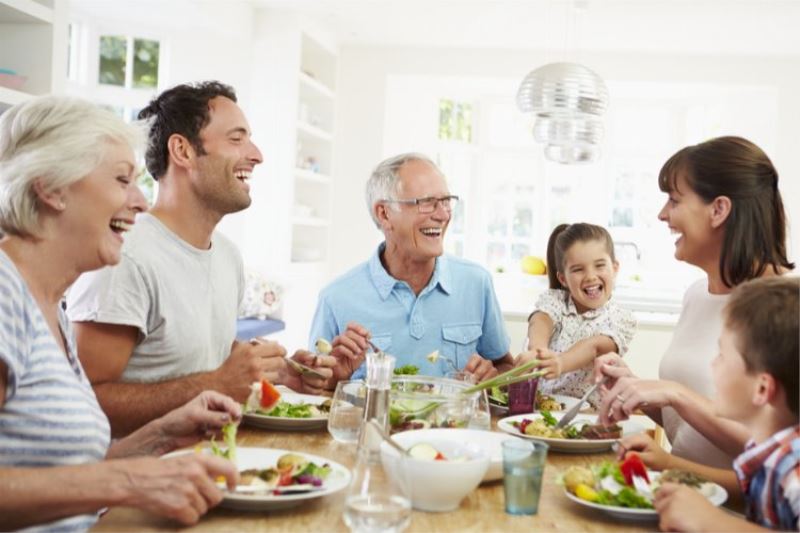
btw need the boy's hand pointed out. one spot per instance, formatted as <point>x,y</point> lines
<point>549,361</point>
<point>653,455</point>
<point>681,508</point>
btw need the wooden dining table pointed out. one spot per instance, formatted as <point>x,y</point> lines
<point>482,510</point>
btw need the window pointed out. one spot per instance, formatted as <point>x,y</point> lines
<point>128,62</point>
<point>119,71</point>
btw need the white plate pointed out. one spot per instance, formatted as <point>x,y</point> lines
<point>636,424</point>
<point>489,441</point>
<point>568,401</point>
<point>247,458</point>
<point>293,424</point>
<point>715,494</point>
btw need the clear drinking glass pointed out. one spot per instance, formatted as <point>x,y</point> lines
<point>523,471</point>
<point>347,411</point>
<point>481,416</point>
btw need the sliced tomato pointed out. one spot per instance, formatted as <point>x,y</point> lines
<point>440,457</point>
<point>269,394</point>
<point>633,466</point>
<point>285,479</point>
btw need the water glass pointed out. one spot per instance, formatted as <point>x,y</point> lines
<point>481,416</point>
<point>523,470</point>
<point>347,411</point>
<point>522,397</point>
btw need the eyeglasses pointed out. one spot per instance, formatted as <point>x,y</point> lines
<point>428,205</point>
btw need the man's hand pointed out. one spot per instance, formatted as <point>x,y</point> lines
<point>352,343</point>
<point>249,362</point>
<point>205,414</point>
<point>350,351</point>
<point>480,368</point>
<point>324,364</point>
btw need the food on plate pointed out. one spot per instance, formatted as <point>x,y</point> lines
<point>229,438</point>
<point>545,402</point>
<point>611,482</point>
<point>290,470</point>
<point>263,395</point>
<point>633,466</point>
<point>681,476</point>
<point>265,400</point>
<point>544,426</point>
<point>406,370</point>
<point>427,452</point>
<point>577,475</point>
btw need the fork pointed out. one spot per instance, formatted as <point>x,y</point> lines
<point>304,370</point>
<point>569,415</point>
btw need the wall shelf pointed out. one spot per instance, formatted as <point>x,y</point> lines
<point>9,97</point>
<point>313,131</point>
<point>312,177</point>
<point>25,12</point>
<point>317,86</point>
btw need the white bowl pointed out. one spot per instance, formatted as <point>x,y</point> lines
<point>490,441</point>
<point>437,485</point>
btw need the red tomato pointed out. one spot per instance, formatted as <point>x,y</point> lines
<point>633,466</point>
<point>269,394</point>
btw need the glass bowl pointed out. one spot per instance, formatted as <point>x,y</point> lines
<point>420,402</point>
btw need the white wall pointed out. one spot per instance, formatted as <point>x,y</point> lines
<point>361,113</point>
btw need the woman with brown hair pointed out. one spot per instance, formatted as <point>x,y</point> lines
<point>725,207</point>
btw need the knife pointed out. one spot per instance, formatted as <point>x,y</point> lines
<point>569,415</point>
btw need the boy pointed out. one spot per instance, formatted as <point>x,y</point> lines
<point>756,379</point>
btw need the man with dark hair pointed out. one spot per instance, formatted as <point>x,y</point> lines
<point>159,327</point>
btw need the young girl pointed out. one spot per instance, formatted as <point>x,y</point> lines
<point>575,320</point>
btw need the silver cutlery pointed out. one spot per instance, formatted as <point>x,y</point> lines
<point>569,415</point>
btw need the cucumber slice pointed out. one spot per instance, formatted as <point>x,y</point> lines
<point>423,451</point>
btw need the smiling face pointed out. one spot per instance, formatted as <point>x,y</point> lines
<point>735,386</point>
<point>588,274</point>
<point>688,216</point>
<point>224,170</point>
<point>414,235</point>
<point>101,207</point>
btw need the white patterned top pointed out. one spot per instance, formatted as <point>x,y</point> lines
<point>570,326</point>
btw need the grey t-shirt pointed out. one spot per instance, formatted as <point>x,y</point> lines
<point>183,300</point>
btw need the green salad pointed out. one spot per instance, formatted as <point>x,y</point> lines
<point>296,410</point>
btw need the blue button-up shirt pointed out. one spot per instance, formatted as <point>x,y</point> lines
<point>456,313</point>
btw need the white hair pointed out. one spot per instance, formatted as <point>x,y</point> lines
<point>382,183</point>
<point>57,141</point>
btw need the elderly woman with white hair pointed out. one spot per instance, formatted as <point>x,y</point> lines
<point>67,196</point>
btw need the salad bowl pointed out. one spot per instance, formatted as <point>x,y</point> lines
<point>422,402</point>
<point>438,484</point>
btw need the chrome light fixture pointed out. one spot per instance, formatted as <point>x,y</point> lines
<point>567,101</point>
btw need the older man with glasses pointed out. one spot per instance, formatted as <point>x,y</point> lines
<point>410,299</point>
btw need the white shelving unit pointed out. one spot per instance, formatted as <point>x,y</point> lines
<point>33,43</point>
<point>314,153</point>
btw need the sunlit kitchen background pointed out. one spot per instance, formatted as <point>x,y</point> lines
<point>331,87</point>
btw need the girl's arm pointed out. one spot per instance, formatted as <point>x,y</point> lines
<point>540,331</point>
<point>584,352</point>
